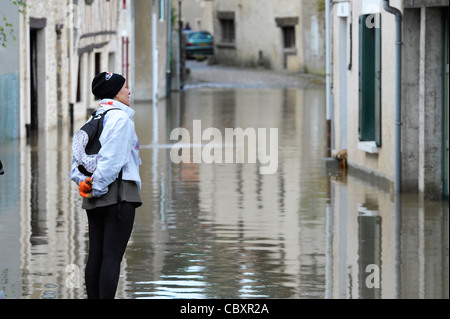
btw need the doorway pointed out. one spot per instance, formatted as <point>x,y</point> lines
<point>34,125</point>
<point>37,76</point>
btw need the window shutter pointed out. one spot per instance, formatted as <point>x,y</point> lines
<point>378,85</point>
<point>369,80</point>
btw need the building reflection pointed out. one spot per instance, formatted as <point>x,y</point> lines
<point>252,235</point>
<point>38,201</point>
<point>386,247</point>
<point>53,226</point>
<point>10,220</point>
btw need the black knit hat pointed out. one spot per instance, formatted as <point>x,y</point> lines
<point>106,85</point>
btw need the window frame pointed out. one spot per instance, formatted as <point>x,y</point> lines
<point>228,31</point>
<point>289,41</point>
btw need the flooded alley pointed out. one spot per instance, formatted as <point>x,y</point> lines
<point>224,230</point>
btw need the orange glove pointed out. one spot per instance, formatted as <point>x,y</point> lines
<point>85,188</point>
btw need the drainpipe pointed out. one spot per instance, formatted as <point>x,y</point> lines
<point>155,60</point>
<point>328,79</point>
<point>398,97</point>
<point>169,49</point>
<point>155,76</point>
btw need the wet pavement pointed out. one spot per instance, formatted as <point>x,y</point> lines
<point>224,230</point>
<point>202,74</point>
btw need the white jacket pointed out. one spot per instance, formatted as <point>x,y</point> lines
<point>120,149</point>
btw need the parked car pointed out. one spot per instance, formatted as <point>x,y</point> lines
<point>199,42</point>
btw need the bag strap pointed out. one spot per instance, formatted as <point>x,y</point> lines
<point>119,200</point>
<point>119,178</point>
<point>95,113</point>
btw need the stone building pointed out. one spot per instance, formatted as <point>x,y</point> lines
<point>363,85</point>
<point>150,64</point>
<point>102,40</point>
<point>197,13</point>
<point>279,35</point>
<point>46,73</point>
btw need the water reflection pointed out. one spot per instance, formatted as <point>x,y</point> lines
<point>224,230</point>
<point>386,247</point>
<point>228,229</point>
<point>42,230</point>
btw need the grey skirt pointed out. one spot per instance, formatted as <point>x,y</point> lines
<point>130,194</point>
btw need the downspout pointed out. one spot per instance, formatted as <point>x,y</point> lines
<point>329,107</point>
<point>155,75</point>
<point>398,96</point>
<point>169,49</point>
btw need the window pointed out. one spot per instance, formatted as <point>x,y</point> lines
<point>227,27</point>
<point>228,33</point>
<point>287,26</point>
<point>162,9</point>
<point>370,79</point>
<point>289,37</point>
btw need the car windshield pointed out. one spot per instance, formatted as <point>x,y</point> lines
<point>200,36</point>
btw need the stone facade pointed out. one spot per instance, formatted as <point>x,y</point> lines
<point>279,35</point>
<point>46,73</point>
<point>422,107</point>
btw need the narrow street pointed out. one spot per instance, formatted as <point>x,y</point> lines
<point>224,230</point>
<point>201,74</point>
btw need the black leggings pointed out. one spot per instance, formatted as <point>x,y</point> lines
<point>109,233</point>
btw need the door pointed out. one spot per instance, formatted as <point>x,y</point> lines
<point>37,76</point>
<point>33,126</point>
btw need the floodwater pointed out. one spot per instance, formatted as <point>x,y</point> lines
<point>224,230</point>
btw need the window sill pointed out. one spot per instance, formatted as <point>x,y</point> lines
<point>368,147</point>
<point>224,45</point>
<point>290,51</point>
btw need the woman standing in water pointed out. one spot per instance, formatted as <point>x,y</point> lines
<point>111,194</point>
